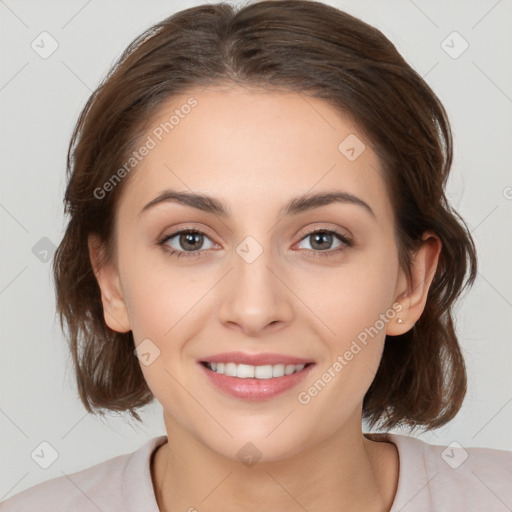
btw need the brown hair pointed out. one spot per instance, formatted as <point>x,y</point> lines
<point>302,46</point>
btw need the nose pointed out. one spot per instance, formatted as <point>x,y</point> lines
<point>254,296</point>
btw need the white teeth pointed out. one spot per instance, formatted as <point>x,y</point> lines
<point>289,368</point>
<point>263,372</point>
<point>278,370</point>
<point>230,369</point>
<point>247,371</point>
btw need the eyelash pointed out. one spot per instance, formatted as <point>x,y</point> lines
<point>320,254</point>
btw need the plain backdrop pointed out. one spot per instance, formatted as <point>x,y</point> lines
<point>40,100</point>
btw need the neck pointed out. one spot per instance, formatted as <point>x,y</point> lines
<point>344,472</point>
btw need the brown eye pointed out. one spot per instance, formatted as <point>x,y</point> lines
<point>322,240</point>
<point>185,241</point>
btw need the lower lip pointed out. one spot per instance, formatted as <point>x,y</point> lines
<point>256,389</point>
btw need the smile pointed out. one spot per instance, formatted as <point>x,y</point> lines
<point>254,383</point>
<point>247,371</point>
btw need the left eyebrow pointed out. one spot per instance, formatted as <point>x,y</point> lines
<point>300,204</point>
<point>307,202</point>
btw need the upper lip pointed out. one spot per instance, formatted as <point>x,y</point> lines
<point>254,359</point>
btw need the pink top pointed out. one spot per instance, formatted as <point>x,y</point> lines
<point>432,478</point>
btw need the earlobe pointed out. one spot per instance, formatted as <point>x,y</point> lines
<point>115,311</point>
<point>399,324</point>
<point>424,266</point>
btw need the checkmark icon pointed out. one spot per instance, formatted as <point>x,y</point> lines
<point>454,455</point>
<point>249,249</point>
<point>44,45</point>
<point>351,147</point>
<point>44,455</point>
<point>454,45</point>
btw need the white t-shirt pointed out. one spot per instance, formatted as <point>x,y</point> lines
<point>431,478</point>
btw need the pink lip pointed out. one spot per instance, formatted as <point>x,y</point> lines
<point>254,359</point>
<point>255,389</point>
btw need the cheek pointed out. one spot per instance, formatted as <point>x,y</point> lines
<point>157,294</point>
<point>150,308</point>
<point>356,309</point>
<point>355,296</point>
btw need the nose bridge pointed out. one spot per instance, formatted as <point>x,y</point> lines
<point>254,297</point>
<point>252,274</point>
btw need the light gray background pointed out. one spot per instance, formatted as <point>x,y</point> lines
<point>40,100</point>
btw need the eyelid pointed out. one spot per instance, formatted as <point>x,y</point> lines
<point>324,228</point>
<point>185,229</point>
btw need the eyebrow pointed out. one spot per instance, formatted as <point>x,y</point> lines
<point>295,206</point>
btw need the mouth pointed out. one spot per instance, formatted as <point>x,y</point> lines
<point>254,382</point>
<point>261,372</point>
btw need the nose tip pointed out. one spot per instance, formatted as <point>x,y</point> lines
<point>254,298</point>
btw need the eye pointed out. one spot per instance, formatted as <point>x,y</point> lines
<point>190,242</point>
<point>321,241</point>
<point>185,242</point>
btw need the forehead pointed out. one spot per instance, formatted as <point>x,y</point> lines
<point>253,148</point>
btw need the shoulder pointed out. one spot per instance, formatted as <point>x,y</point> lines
<point>451,478</point>
<point>105,486</point>
<point>77,491</point>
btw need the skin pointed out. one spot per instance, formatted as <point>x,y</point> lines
<point>255,150</point>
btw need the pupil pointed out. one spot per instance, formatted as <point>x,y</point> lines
<point>320,239</point>
<point>189,239</point>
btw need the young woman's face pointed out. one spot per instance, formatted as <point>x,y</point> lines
<point>255,280</point>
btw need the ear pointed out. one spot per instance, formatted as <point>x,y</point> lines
<point>412,293</point>
<point>115,311</point>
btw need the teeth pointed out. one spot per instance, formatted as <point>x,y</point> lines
<point>247,371</point>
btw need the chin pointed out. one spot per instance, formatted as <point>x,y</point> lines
<point>254,445</point>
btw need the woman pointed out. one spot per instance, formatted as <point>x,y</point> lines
<point>257,213</point>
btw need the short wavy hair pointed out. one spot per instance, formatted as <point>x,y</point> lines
<point>302,46</point>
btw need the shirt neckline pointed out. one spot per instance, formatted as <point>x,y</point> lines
<point>137,487</point>
<point>138,491</point>
<point>411,466</point>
